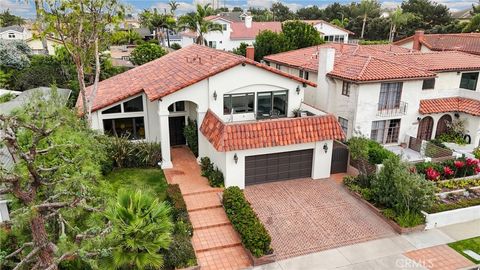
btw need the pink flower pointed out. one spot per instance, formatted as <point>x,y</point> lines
<point>472,161</point>
<point>458,164</point>
<point>447,171</point>
<point>477,169</point>
<point>432,174</point>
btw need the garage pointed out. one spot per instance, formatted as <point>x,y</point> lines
<point>278,166</point>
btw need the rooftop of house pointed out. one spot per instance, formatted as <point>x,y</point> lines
<point>16,28</point>
<point>451,104</point>
<point>464,42</point>
<point>362,63</point>
<point>315,22</point>
<point>241,31</point>
<point>232,16</point>
<point>171,73</point>
<point>462,14</point>
<point>268,133</point>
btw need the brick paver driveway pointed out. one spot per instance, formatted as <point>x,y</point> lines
<point>305,216</point>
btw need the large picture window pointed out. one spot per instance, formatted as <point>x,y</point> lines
<point>272,104</point>
<point>469,81</point>
<point>386,131</point>
<point>132,105</point>
<point>238,103</point>
<point>133,127</point>
<point>390,96</point>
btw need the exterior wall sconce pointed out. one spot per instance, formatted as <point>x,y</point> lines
<point>419,118</point>
<point>215,95</point>
<point>325,148</point>
<point>235,158</point>
<point>304,85</point>
<point>298,90</point>
<point>457,115</point>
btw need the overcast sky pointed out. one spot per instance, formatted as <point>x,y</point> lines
<point>19,7</point>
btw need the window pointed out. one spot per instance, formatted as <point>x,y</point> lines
<point>428,84</point>
<point>132,105</point>
<point>390,95</point>
<point>303,74</point>
<point>343,123</point>
<point>212,44</point>
<point>272,104</point>
<point>224,27</point>
<point>346,88</point>
<point>11,35</point>
<point>334,38</point>
<point>386,131</point>
<point>277,66</point>
<point>115,109</point>
<point>238,103</point>
<point>469,81</point>
<point>178,106</point>
<point>133,128</point>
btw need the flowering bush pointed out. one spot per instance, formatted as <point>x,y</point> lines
<point>461,167</point>
<point>432,174</point>
<point>448,172</point>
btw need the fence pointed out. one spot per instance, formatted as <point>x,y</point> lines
<point>429,149</point>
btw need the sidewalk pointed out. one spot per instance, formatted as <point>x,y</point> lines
<point>390,253</point>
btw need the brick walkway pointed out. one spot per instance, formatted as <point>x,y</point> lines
<point>305,216</point>
<point>439,258</point>
<point>216,243</point>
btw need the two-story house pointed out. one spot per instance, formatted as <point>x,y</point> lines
<point>330,32</point>
<point>389,93</point>
<point>245,113</point>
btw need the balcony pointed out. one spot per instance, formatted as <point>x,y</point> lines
<point>391,110</point>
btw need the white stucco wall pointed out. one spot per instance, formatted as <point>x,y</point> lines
<point>18,35</point>
<point>36,45</point>
<point>455,216</point>
<point>409,45</point>
<point>328,30</point>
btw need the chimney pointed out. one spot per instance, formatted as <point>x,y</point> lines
<point>248,21</point>
<point>326,60</point>
<point>417,38</point>
<point>250,53</point>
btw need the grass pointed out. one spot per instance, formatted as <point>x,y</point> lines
<point>149,180</point>
<point>472,244</point>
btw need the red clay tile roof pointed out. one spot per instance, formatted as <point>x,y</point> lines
<point>452,104</point>
<point>315,22</point>
<point>378,62</point>
<point>269,133</point>
<point>240,31</point>
<point>171,73</point>
<point>465,42</point>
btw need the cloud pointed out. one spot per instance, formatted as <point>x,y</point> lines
<point>19,8</point>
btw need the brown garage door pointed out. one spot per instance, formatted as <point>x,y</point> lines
<point>276,167</point>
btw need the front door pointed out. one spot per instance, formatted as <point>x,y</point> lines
<point>425,128</point>
<point>176,125</point>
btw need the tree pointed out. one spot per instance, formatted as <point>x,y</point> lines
<point>141,227</point>
<point>53,183</point>
<point>173,6</point>
<point>281,12</point>
<point>268,42</point>
<point>398,18</point>
<point>475,9</point>
<point>81,25</point>
<point>14,54</point>
<point>146,52</point>
<point>197,23</point>
<point>8,19</point>
<point>310,13</point>
<point>128,37</point>
<point>241,50</point>
<point>237,9</point>
<point>341,23</point>
<point>430,14</point>
<point>161,23</point>
<point>367,7</point>
<point>300,35</point>
<point>473,25</point>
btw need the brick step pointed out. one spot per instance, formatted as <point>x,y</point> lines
<point>225,258</point>
<point>215,190</point>
<point>207,218</point>
<point>202,201</point>
<point>215,238</point>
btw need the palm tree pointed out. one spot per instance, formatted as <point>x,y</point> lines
<point>141,227</point>
<point>367,7</point>
<point>173,6</point>
<point>398,18</point>
<point>197,23</point>
<point>158,22</point>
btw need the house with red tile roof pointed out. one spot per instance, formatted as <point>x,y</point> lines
<point>463,42</point>
<point>387,92</point>
<point>330,32</point>
<point>251,120</point>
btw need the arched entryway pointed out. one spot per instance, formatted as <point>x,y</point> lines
<point>425,128</point>
<point>442,125</point>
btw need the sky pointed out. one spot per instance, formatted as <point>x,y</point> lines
<point>19,7</point>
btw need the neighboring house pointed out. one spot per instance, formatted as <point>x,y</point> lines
<point>244,110</point>
<point>330,32</point>
<point>464,42</point>
<point>120,55</point>
<point>463,15</point>
<point>389,93</point>
<point>37,46</point>
<point>15,32</point>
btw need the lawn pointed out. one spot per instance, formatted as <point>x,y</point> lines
<point>150,180</point>
<point>472,244</point>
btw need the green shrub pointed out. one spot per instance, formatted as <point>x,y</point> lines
<point>410,219</point>
<point>254,235</point>
<point>179,211</point>
<point>206,166</point>
<point>441,207</point>
<point>175,46</point>
<point>190,131</point>
<point>129,154</point>
<point>476,152</point>
<point>377,153</point>
<point>7,97</point>
<point>213,174</point>
<point>180,253</point>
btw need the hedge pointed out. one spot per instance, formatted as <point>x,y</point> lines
<point>254,235</point>
<point>212,173</point>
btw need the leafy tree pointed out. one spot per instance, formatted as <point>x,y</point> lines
<point>281,12</point>
<point>241,50</point>
<point>53,184</point>
<point>398,18</point>
<point>268,42</point>
<point>128,37</point>
<point>473,25</point>
<point>237,9</point>
<point>146,52</point>
<point>14,54</point>
<point>475,9</point>
<point>161,23</point>
<point>197,23</point>
<point>300,35</point>
<point>141,227</point>
<point>341,23</point>
<point>261,15</point>
<point>429,13</point>
<point>310,13</point>
<point>366,7</point>
<point>8,19</point>
<point>335,11</point>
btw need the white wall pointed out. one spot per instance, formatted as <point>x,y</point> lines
<point>328,30</point>
<point>409,45</point>
<point>456,216</point>
<point>36,45</point>
<point>18,35</point>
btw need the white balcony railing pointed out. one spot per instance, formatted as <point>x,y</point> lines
<point>389,110</point>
